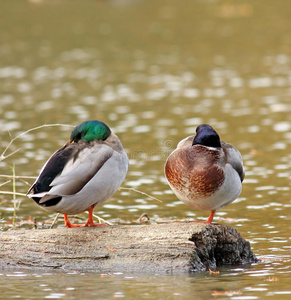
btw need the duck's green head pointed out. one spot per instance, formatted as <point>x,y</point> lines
<point>89,131</point>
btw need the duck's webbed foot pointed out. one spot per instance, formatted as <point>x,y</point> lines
<point>69,224</point>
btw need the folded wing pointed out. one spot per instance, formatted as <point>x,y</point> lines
<point>234,158</point>
<point>69,169</point>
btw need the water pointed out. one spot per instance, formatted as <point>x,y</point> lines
<point>236,283</point>
<point>152,71</point>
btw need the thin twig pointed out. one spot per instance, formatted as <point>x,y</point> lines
<point>100,220</point>
<point>27,131</point>
<point>5,182</point>
<point>54,221</point>
<point>144,215</point>
<point>2,157</point>
<point>12,193</point>
<point>143,193</point>
<point>18,177</point>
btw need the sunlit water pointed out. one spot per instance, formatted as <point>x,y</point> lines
<point>152,72</point>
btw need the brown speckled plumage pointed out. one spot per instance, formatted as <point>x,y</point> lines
<point>194,171</point>
<point>204,172</point>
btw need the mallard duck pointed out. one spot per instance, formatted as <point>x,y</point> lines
<point>205,172</point>
<point>82,174</point>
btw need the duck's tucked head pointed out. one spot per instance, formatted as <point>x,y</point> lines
<point>206,136</point>
<point>89,131</point>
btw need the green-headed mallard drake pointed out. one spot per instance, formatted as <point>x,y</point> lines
<point>205,172</point>
<point>82,174</point>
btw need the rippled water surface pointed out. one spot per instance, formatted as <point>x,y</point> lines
<point>153,71</point>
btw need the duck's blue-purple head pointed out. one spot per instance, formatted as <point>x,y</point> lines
<point>206,136</point>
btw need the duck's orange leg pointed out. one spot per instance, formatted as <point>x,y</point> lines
<point>90,221</point>
<point>69,224</point>
<point>210,218</point>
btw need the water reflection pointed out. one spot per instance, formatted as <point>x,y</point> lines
<point>231,283</point>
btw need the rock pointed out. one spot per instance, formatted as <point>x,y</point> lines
<point>160,248</point>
